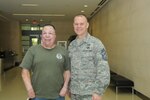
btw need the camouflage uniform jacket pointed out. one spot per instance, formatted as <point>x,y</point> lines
<point>89,66</point>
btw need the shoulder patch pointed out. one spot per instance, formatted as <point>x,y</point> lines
<point>104,54</point>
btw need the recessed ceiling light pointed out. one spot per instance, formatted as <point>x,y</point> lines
<point>30,5</point>
<point>85,6</point>
<point>27,20</point>
<point>82,11</point>
<point>41,20</point>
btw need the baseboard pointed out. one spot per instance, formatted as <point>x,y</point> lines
<point>143,97</point>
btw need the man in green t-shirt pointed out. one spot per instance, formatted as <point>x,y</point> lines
<point>49,68</point>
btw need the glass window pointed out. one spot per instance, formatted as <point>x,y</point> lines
<point>25,27</point>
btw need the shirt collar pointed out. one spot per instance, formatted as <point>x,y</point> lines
<point>85,39</point>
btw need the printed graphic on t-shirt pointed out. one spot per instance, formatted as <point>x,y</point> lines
<point>58,56</point>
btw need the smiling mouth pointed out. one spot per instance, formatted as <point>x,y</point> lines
<point>47,38</point>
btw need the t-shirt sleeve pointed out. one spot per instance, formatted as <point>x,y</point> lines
<point>27,60</point>
<point>67,61</point>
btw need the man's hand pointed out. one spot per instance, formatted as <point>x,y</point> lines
<point>31,93</point>
<point>96,97</point>
<point>63,91</point>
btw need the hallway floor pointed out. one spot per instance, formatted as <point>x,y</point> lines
<point>12,88</point>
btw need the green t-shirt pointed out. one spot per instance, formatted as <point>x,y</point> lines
<point>47,67</point>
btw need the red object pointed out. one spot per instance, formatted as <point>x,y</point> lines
<point>34,22</point>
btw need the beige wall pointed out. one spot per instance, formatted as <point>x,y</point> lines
<point>124,28</point>
<point>10,37</point>
<point>4,30</point>
<point>15,37</point>
<point>63,30</point>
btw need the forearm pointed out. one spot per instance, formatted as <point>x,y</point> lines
<point>64,89</point>
<point>102,67</point>
<point>102,78</point>
<point>26,79</point>
<point>66,78</point>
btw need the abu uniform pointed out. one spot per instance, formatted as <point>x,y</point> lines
<point>89,67</point>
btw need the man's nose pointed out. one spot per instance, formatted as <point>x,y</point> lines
<point>47,34</point>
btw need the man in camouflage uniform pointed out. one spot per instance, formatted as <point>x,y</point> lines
<point>90,75</point>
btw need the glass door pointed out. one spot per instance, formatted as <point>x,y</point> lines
<point>34,40</point>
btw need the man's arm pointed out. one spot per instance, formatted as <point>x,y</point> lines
<point>66,78</point>
<point>103,71</point>
<point>66,83</point>
<point>27,82</point>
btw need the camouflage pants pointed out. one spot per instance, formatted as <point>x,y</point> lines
<point>81,97</point>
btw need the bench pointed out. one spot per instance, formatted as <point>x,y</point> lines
<point>121,82</point>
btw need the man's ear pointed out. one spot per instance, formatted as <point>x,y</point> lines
<point>87,25</point>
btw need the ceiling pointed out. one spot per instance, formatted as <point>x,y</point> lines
<point>44,11</point>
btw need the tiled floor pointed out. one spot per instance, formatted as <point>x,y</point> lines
<point>12,88</point>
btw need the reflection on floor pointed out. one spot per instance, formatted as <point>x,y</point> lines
<point>12,88</point>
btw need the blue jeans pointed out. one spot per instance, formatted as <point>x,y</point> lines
<point>59,98</point>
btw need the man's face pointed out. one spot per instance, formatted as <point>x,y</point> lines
<point>48,35</point>
<point>80,25</point>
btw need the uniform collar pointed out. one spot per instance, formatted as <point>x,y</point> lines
<point>85,39</point>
